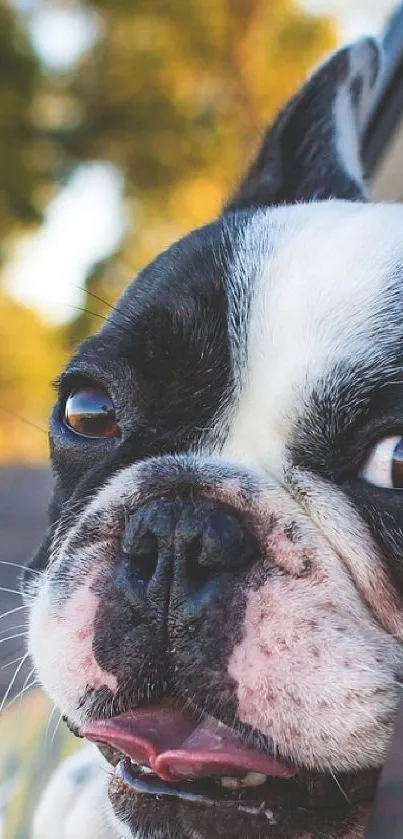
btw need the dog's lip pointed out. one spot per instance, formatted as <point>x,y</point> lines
<point>174,745</point>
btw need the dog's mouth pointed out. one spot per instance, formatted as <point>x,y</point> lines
<point>163,751</point>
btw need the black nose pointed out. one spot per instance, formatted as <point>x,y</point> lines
<point>195,541</point>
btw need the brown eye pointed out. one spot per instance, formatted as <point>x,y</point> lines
<point>91,413</point>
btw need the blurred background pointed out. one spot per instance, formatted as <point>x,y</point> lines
<point>123,124</point>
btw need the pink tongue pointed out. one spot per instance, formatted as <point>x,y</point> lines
<point>174,746</point>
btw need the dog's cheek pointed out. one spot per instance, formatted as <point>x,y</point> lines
<point>61,644</point>
<point>315,673</point>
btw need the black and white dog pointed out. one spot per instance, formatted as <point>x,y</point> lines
<point>219,604</point>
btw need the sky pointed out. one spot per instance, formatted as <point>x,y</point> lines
<point>83,224</point>
<point>86,220</point>
<point>356,17</point>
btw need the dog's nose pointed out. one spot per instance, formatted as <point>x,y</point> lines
<point>190,541</point>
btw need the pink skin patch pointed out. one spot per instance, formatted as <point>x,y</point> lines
<point>332,515</point>
<point>62,648</point>
<point>314,671</point>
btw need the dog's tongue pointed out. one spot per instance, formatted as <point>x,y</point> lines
<point>174,746</point>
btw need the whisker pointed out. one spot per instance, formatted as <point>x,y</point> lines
<point>95,315</point>
<point>12,681</point>
<point>21,692</point>
<point>340,788</point>
<point>10,663</point>
<point>30,674</point>
<point>55,731</point>
<point>10,637</point>
<point>23,419</point>
<point>50,717</point>
<point>17,626</point>
<point>85,311</point>
<point>22,567</point>
<point>13,611</point>
<point>104,302</point>
<point>10,591</point>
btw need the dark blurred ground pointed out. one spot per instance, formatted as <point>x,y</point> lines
<point>24,494</point>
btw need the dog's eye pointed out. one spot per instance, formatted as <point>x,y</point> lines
<point>90,412</point>
<point>384,467</point>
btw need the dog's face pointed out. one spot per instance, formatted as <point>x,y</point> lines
<point>219,603</point>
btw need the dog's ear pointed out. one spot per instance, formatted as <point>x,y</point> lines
<point>312,151</point>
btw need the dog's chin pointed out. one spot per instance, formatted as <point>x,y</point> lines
<point>308,805</point>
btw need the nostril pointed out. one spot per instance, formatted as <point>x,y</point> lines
<point>221,543</point>
<point>198,572</point>
<point>145,555</point>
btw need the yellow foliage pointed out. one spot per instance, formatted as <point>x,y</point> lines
<point>33,743</point>
<point>30,357</point>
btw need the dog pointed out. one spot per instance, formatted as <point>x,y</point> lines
<point>217,605</point>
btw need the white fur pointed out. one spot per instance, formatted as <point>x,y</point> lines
<point>321,296</point>
<point>70,809</point>
<point>350,120</point>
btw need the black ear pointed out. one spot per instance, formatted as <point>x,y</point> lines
<point>313,149</point>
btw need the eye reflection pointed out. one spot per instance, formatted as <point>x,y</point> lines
<point>397,466</point>
<point>90,412</point>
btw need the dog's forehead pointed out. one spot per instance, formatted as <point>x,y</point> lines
<point>329,276</point>
<point>266,304</point>
<point>326,290</point>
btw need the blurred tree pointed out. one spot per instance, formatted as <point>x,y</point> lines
<point>24,154</point>
<point>177,94</point>
<point>30,357</point>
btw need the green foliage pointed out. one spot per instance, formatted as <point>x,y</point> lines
<point>21,166</point>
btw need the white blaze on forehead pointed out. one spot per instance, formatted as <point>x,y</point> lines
<point>322,295</point>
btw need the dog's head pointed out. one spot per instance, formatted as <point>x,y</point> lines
<point>219,599</point>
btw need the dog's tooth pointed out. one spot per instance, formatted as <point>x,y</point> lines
<point>230,783</point>
<point>145,770</point>
<point>252,779</point>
